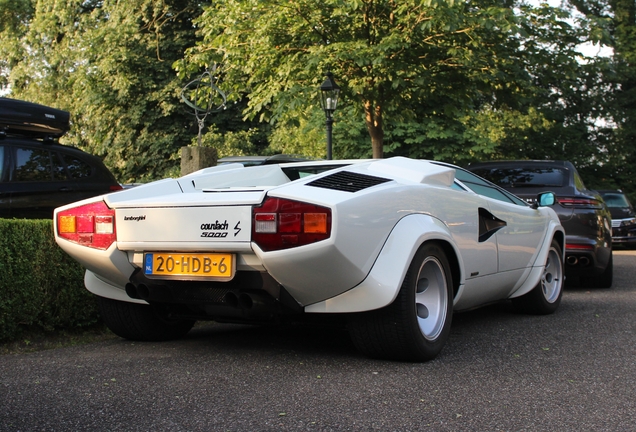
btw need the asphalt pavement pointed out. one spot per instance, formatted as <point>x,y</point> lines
<point>501,371</point>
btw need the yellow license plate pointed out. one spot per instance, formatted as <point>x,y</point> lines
<point>214,266</point>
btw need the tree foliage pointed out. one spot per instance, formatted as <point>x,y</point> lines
<point>440,79</point>
<point>110,64</point>
<point>407,68</point>
<point>612,23</point>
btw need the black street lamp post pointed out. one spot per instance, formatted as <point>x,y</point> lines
<point>329,92</point>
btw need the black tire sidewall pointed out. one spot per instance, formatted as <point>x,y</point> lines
<point>423,347</point>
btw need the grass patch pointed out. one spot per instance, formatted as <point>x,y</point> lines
<point>38,340</point>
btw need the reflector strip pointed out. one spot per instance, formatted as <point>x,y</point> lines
<point>579,247</point>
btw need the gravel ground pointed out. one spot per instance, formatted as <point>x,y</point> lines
<point>500,371</point>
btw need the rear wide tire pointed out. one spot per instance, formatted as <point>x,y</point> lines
<point>140,322</point>
<point>417,324</point>
<point>545,297</point>
<point>605,279</point>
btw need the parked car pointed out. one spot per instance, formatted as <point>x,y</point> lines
<point>37,174</point>
<point>623,217</point>
<point>583,213</point>
<point>261,160</point>
<point>393,245</point>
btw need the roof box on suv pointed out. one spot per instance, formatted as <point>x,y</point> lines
<point>31,119</point>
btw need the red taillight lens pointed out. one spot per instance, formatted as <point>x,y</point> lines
<point>576,202</point>
<point>283,224</point>
<point>91,225</point>
<point>578,247</point>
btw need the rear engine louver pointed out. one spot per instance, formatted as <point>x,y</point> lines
<point>347,181</point>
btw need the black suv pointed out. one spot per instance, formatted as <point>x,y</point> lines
<point>36,173</point>
<point>583,213</point>
<point>623,217</point>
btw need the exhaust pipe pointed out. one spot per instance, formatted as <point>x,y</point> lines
<point>255,304</point>
<point>231,300</point>
<point>143,292</point>
<point>245,301</point>
<point>572,260</point>
<point>140,292</point>
<point>131,290</point>
<point>584,261</point>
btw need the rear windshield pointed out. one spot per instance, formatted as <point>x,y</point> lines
<point>615,200</point>
<point>525,177</point>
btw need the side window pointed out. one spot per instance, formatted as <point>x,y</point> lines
<point>578,182</point>
<point>457,186</point>
<point>59,172</point>
<point>487,189</point>
<point>77,168</point>
<point>32,165</point>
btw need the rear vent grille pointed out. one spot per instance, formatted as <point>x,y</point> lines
<point>347,181</point>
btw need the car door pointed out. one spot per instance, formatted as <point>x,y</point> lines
<point>37,184</point>
<point>83,176</point>
<point>515,228</point>
<point>519,240</point>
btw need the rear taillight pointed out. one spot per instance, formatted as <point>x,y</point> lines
<point>578,247</point>
<point>283,224</point>
<point>91,225</point>
<point>576,202</point>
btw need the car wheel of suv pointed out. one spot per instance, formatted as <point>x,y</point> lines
<point>416,325</point>
<point>545,297</point>
<point>606,278</point>
<point>140,322</point>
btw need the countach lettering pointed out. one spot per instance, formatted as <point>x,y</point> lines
<point>216,226</point>
<point>215,230</point>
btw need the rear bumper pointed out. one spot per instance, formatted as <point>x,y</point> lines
<point>249,296</point>
<point>586,262</point>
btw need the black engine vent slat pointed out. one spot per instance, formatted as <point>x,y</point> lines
<point>347,181</point>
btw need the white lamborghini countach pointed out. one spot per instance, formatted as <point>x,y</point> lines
<point>395,246</point>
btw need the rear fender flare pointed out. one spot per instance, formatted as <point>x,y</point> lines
<point>383,282</point>
<point>555,232</point>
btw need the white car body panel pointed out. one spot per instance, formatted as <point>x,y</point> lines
<point>382,284</point>
<point>202,224</point>
<point>375,233</point>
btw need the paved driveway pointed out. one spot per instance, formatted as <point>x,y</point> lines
<point>574,370</point>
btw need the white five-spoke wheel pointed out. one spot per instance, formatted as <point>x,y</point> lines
<point>552,278</point>
<point>545,297</point>
<point>431,298</point>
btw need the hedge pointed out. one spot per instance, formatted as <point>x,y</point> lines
<point>40,285</point>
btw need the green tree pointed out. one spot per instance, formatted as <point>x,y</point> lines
<point>390,58</point>
<point>613,24</point>
<point>110,64</point>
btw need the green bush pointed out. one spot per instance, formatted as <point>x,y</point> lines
<point>40,285</point>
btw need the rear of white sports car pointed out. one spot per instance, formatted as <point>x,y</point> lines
<point>262,243</point>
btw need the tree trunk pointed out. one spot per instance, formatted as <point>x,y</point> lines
<point>373,119</point>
